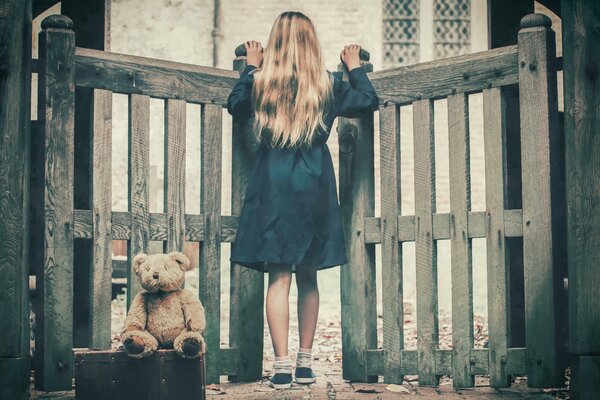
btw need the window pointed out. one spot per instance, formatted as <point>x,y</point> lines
<point>400,32</point>
<point>451,27</point>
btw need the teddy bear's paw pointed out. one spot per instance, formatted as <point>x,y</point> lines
<point>134,345</point>
<point>189,345</point>
<point>139,344</point>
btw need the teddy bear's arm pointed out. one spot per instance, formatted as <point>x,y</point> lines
<point>193,312</point>
<point>136,316</point>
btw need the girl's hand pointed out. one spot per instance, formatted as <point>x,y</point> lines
<point>254,53</point>
<point>350,56</point>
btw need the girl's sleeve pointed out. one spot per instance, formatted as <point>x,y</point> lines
<point>356,97</point>
<point>238,102</point>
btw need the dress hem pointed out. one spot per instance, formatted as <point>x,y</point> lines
<point>260,265</point>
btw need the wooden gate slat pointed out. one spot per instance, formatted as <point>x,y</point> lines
<point>494,128</point>
<point>539,135</point>
<point>391,249</point>
<point>101,274</point>
<point>460,244</point>
<point>210,250</point>
<point>138,185</point>
<point>175,174</point>
<point>425,246</point>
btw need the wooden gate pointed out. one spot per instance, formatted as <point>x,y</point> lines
<point>62,67</point>
<point>530,65</point>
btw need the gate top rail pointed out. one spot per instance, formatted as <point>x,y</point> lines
<point>129,74</point>
<point>441,78</point>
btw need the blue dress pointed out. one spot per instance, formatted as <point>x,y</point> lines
<point>290,214</point>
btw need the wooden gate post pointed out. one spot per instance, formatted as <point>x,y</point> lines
<point>246,321</point>
<point>357,278</point>
<point>581,35</point>
<point>56,110</point>
<point>542,233</point>
<point>15,94</point>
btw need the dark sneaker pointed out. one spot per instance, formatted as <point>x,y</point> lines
<point>281,380</point>
<point>305,375</point>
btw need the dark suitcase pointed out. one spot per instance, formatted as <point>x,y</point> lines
<point>112,374</point>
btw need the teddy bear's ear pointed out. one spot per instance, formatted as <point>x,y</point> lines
<point>184,262</point>
<point>137,261</point>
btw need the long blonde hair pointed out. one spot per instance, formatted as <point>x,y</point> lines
<point>292,87</point>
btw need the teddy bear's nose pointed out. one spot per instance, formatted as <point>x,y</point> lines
<point>155,275</point>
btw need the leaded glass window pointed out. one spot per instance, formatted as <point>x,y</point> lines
<point>400,32</point>
<point>451,27</point>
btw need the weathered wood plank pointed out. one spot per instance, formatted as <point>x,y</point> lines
<point>100,295</point>
<point>444,360</point>
<point>56,108</point>
<point>14,149</point>
<point>157,78</point>
<point>477,228</point>
<point>375,361</point>
<point>15,252</point>
<point>441,226</point>
<point>391,248</point>
<point>357,278</point>
<point>425,245</point>
<point>175,174</point>
<point>246,286</point>
<point>513,223</point>
<point>517,361</point>
<point>229,360</point>
<point>582,143</point>
<point>138,186</point>
<point>158,226</point>
<point>406,228</point>
<point>210,251</point>
<point>229,225</point>
<point>460,244</point>
<point>539,130</point>
<point>494,128</point>
<point>194,227</point>
<point>441,78</point>
<point>372,230</point>
<point>479,359</point>
<point>122,225</point>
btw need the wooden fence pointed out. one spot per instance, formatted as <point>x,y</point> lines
<point>530,65</point>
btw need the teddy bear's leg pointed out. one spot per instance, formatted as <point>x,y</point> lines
<point>139,344</point>
<point>189,344</point>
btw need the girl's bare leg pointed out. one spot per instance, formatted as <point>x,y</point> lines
<point>277,306</point>
<point>308,304</point>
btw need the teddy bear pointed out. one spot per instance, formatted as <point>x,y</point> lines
<point>163,315</point>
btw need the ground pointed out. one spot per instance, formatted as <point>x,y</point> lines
<point>331,386</point>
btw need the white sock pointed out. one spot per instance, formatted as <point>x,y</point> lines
<point>283,365</point>
<point>304,358</point>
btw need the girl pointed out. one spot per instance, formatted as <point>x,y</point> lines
<point>290,218</point>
